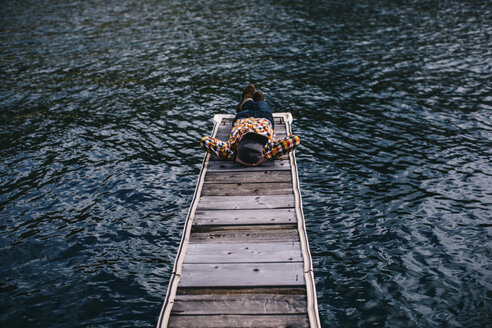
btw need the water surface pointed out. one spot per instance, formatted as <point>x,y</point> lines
<point>103,103</point>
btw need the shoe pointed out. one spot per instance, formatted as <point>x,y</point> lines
<point>258,96</point>
<point>248,93</point>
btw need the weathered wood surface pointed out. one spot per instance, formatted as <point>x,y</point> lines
<point>226,128</point>
<point>239,321</point>
<point>240,304</point>
<point>245,236</point>
<point>298,290</point>
<point>223,131</point>
<point>243,253</point>
<point>227,122</point>
<point>247,189</point>
<point>245,217</point>
<point>227,166</point>
<point>242,274</point>
<point>224,136</point>
<point>216,159</point>
<point>245,202</point>
<point>249,177</point>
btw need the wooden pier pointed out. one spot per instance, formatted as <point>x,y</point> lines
<point>244,257</point>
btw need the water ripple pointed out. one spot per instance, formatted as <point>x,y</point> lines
<point>102,106</point>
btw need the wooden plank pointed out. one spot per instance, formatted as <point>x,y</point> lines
<point>223,132</point>
<point>270,227</point>
<point>243,253</point>
<point>245,177</point>
<point>228,120</point>
<point>239,304</point>
<point>299,290</point>
<point>283,158</point>
<point>280,128</point>
<point>227,127</point>
<point>224,136</point>
<point>247,189</point>
<point>239,321</point>
<point>243,217</point>
<point>245,202</point>
<point>225,166</point>
<point>242,274</point>
<point>245,236</point>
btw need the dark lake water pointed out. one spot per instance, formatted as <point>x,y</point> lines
<point>103,103</point>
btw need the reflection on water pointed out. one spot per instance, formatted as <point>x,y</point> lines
<point>102,106</point>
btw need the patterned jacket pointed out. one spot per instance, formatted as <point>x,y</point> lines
<point>274,148</point>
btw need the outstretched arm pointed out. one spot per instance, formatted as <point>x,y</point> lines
<point>217,147</point>
<point>282,146</point>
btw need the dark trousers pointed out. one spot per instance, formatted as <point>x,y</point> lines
<point>256,109</point>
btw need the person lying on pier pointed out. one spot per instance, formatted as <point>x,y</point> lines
<point>252,140</point>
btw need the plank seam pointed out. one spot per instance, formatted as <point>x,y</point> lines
<point>249,262</point>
